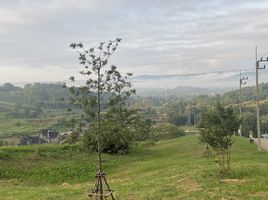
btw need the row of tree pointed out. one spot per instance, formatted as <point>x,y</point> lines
<point>42,95</point>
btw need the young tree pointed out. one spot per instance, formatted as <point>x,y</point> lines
<point>104,87</point>
<point>218,126</point>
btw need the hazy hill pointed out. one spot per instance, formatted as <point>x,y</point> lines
<point>38,94</point>
<point>180,91</point>
<point>248,94</point>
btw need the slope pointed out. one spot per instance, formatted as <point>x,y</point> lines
<point>171,169</point>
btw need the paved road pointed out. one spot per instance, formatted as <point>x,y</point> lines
<point>264,143</point>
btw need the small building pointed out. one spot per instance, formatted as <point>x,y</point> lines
<point>28,140</point>
<point>50,136</point>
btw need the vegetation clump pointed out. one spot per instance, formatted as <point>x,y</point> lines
<point>163,131</point>
<point>218,126</point>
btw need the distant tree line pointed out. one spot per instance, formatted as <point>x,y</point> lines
<point>32,98</point>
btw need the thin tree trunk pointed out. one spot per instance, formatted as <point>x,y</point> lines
<point>99,135</point>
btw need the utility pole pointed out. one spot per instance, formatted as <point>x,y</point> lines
<point>242,81</point>
<point>258,67</point>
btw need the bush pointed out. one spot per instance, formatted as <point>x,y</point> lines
<point>218,126</point>
<point>162,131</point>
<point>114,137</point>
<point>249,124</point>
<point>141,129</point>
<point>177,119</point>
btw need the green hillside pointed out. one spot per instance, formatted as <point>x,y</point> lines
<point>5,106</point>
<point>171,169</point>
<point>54,120</point>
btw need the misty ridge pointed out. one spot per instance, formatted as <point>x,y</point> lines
<point>54,92</point>
<point>180,91</point>
<point>51,95</point>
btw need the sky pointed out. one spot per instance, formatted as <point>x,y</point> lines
<point>165,43</point>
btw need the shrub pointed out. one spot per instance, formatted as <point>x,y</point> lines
<point>177,119</point>
<point>218,127</point>
<point>115,138</point>
<point>162,131</point>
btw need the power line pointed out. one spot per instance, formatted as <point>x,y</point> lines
<point>251,79</point>
<point>249,75</point>
<point>264,54</point>
<point>253,74</point>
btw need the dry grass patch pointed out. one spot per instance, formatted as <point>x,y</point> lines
<point>262,195</point>
<point>188,184</point>
<point>238,181</point>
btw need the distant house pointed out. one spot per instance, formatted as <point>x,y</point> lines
<point>43,133</point>
<point>28,140</point>
<point>50,136</point>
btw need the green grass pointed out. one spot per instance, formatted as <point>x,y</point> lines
<point>23,126</point>
<point>54,119</point>
<point>30,126</point>
<point>171,169</point>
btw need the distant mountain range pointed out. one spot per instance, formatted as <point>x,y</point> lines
<point>180,91</point>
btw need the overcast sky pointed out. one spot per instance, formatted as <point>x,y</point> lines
<point>173,42</point>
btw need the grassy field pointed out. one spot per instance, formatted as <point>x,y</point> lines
<point>171,169</point>
<point>55,120</point>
